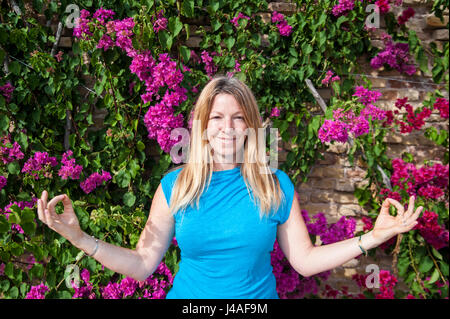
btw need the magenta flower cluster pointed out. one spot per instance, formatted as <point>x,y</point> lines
<point>383,5</point>
<point>387,284</point>
<point>160,23</point>
<point>81,30</point>
<point>430,182</point>
<point>39,163</point>
<point>330,77</point>
<point>37,292</point>
<point>366,96</point>
<point>346,123</point>
<point>86,290</point>
<point>235,20</point>
<point>333,130</point>
<point>94,180</point>
<point>441,104</point>
<point>433,233</point>
<point>7,90</point>
<point>344,228</point>
<point>154,287</point>
<point>275,112</point>
<point>160,119</point>
<point>207,59</point>
<point>3,182</point>
<point>343,7</point>
<point>396,55</point>
<point>405,16</point>
<point>283,27</point>
<point>69,169</point>
<point>414,120</point>
<point>9,152</point>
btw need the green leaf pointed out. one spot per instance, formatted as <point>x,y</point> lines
<point>434,276</point>
<point>436,253</point>
<point>425,264</point>
<point>341,20</point>
<point>215,24</point>
<point>129,199</point>
<point>185,53</point>
<point>4,285</point>
<point>27,215</point>
<point>165,39</point>
<point>14,68</point>
<point>14,292</point>
<point>9,270</point>
<point>306,49</point>
<point>23,141</point>
<point>229,42</point>
<point>14,218</point>
<point>140,146</point>
<point>29,228</point>
<point>4,225</point>
<point>4,123</point>
<point>123,178</point>
<point>175,25</point>
<point>187,8</point>
<point>378,150</point>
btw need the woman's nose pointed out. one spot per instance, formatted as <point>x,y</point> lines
<point>227,123</point>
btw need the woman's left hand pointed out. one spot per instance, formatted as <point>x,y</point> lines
<point>387,226</point>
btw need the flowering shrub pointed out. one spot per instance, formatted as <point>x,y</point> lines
<point>428,183</point>
<point>131,63</point>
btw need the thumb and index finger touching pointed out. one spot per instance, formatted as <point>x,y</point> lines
<point>50,206</point>
<point>400,208</point>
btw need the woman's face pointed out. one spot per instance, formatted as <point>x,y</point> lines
<point>226,128</point>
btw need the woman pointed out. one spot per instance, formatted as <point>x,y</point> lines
<point>226,213</point>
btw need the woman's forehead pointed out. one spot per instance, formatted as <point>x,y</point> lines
<point>225,104</point>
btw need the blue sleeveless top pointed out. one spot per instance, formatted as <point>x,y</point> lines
<point>225,246</point>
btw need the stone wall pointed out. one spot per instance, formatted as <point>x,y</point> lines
<point>332,181</point>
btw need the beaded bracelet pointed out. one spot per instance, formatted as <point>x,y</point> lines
<point>362,249</point>
<point>95,249</point>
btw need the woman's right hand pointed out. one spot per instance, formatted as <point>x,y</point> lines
<point>65,224</point>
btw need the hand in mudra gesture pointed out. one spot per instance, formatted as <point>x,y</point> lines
<point>65,224</point>
<point>387,226</point>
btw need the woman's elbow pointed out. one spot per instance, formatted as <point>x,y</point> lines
<point>303,272</point>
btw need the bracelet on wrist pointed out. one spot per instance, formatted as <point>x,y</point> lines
<point>360,246</point>
<point>95,248</point>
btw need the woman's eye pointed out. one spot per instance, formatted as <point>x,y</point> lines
<point>218,117</point>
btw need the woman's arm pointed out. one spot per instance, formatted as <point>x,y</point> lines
<point>309,260</point>
<point>327,257</point>
<point>137,263</point>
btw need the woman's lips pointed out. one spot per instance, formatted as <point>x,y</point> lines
<point>227,140</point>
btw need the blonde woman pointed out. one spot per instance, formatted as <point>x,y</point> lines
<point>225,214</point>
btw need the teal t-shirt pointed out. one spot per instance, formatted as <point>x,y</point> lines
<point>225,246</point>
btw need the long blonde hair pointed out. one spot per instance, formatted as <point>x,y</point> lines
<point>197,172</point>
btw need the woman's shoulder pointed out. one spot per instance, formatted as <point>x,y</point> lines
<point>282,176</point>
<point>279,172</point>
<point>172,173</point>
